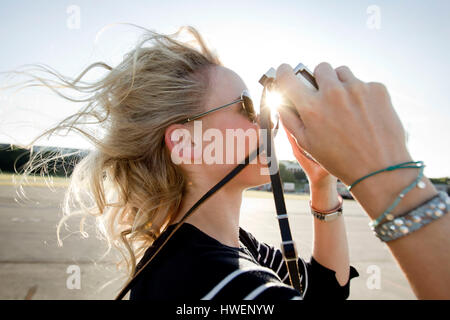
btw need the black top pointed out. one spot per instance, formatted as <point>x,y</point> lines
<point>192,266</point>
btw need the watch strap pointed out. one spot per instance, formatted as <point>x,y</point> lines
<point>329,215</point>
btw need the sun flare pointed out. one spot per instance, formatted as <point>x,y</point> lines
<point>274,99</point>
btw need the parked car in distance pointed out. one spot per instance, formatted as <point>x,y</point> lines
<point>288,186</point>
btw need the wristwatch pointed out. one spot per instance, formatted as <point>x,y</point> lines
<point>329,215</point>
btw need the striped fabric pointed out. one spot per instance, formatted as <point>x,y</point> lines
<point>194,266</point>
<point>272,258</point>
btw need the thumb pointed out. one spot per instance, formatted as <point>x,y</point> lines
<point>293,125</point>
<point>293,88</point>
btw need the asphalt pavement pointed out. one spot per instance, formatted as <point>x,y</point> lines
<point>33,266</point>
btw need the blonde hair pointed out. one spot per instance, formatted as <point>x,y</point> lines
<point>129,181</point>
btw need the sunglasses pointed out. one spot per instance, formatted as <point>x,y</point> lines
<point>247,105</point>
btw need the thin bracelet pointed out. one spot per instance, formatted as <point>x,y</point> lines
<point>417,164</point>
<point>340,200</point>
<point>387,214</point>
<point>328,215</point>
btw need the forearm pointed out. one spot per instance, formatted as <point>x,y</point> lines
<point>427,272</point>
<point>330,246</point>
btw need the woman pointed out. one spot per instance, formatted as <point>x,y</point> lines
<point>138,190</point>
<point>148,169</point>
<point>205,259</point>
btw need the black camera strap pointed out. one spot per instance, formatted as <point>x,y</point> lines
<point>287,245</point>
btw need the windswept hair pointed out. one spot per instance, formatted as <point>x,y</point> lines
<point>128,182</point>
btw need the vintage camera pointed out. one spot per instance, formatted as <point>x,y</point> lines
<point>302,73</point>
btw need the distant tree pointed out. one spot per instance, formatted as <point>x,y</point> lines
<point>445,180</point>
<point>300,175</point>
<point>13,159</point>
<point>286,175</point>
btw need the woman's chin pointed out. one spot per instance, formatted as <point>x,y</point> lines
<point>255,175</point>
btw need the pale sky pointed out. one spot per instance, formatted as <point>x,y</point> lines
<point>403,44</point>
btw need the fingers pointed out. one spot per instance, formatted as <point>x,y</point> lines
<point>290,137</point>
<point>292,124</point>
<point>292,87</point>
<point>298,150</point>
<point>345,74</point>
<point>326,76</point>
<point>295,146</point>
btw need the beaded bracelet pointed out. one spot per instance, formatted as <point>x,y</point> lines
<point>415,219</point>
<point>387,214</point>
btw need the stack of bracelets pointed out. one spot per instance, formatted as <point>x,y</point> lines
<point>387,227</point>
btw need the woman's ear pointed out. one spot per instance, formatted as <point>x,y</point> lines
<point>178,140</point>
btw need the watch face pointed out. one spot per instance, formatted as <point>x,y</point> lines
<point>335,215</point>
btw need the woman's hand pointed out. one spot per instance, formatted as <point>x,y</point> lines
<point>318,177</point>
<point>322,185</point>
<point>350,127</point>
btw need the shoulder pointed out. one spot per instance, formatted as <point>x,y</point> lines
<point>207,271</point>
<point>214,275</point>
<point>242,279</point>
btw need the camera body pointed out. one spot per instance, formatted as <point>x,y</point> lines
<point>301,71</point>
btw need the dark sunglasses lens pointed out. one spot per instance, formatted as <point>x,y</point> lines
<point>248,106</point>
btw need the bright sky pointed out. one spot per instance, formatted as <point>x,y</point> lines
<point>403,44</point>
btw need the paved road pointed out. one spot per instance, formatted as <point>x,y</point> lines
<point>33,266</point>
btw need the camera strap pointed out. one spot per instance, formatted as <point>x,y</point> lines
<point>288,247</point>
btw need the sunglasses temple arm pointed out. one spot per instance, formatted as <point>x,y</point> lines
<point>210,111</point>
